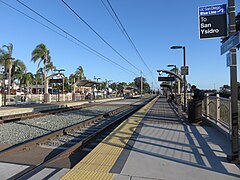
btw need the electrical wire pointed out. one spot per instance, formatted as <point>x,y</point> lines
<point>82,44</point>
<point>99,35</point>
<point>125,33</point>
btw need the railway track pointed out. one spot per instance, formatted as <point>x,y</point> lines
<point>66,141</point>
<point>30,115</point>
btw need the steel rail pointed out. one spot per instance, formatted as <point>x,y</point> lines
<point>125,114</point>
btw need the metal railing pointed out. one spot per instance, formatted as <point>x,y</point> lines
<point>218,109</point>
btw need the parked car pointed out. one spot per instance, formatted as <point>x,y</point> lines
<point>18,93</point>
<point>98,93</point>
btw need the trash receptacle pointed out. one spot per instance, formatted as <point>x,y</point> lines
<point>194,111</point>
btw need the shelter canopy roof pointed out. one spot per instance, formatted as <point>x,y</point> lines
<point>86,83</point>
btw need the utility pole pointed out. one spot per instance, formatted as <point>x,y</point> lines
<point>152,88</point>
<point>141,84</point>
<point>234,157</point>
<point>5,77</point>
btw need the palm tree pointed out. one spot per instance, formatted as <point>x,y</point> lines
<point>41,53</point>
<point>50,67</point>
<point>38,78</point>
<point>79,73</point>
<point>18,69</point>
<point>27,80</point>
<point>8,56</point>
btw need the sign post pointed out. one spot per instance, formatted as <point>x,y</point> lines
<point>234,156</point>
<point>212,21</point>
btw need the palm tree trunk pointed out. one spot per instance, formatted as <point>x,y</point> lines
<point>45,80</point>
<point>9,80</point>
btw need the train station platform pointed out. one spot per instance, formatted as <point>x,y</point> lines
<point>155,143</point>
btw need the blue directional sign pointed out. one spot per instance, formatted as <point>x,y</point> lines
<point>229,59</point>
<point>232,42</point>
<point>213,21</point>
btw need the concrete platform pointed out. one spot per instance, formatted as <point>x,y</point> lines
<point>156,144</point>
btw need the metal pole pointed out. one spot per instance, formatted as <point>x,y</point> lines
<point>234,157</point>
<point>152,88</point>
<point>62,88</point>
<point>184,81</point>
<point>5,75</point>
<point>141,84</point>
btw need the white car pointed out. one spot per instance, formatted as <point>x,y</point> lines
<point>98,93</point>
<point>18,93</point>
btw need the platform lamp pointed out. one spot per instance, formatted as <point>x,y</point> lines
<point>184,76</point>
<point>60,75</point>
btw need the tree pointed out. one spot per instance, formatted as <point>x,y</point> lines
<point>113,86</point>
<point>72,79</point>
<point>79,73</point>
<point>27,80</point>
<point>50,66</point>
<point>225,91</point>
<point>137,82</point>
<point>41,53</point>
<point>18,70</point>
<point>8,55</point>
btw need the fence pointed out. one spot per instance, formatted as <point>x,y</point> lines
<point>217,109</point>
<point>38,98</point>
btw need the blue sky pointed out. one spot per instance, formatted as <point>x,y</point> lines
<point>153,25</point>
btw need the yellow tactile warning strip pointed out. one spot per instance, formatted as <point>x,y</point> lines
<point>97,164</point>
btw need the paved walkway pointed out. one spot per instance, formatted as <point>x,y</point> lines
<point>169,148</point>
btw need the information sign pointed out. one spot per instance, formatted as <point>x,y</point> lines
<point>184,70</point>
<point>212,21</point>
<point>166,78</point>
<point>232,42</point>
<point>55,81</point>
<point>229,60</point>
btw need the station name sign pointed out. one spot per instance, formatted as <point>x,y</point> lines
<point>55,81</point>
<point>166,79</point>
<point>212,21</point>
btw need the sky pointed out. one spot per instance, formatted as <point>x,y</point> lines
<point>153,26</point>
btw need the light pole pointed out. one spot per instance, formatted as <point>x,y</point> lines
<point>108,82</point>
<point>96,78</point>
<point>184,76</point>
<point>59,74</point>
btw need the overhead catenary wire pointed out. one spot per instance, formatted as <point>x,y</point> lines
<point>100,36</point>
<point>125,33</point>
<point>82,44</point>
